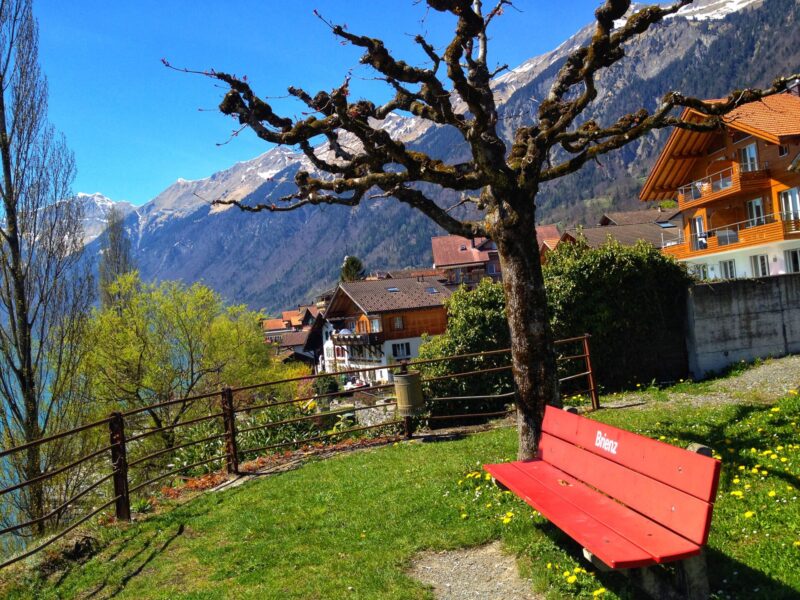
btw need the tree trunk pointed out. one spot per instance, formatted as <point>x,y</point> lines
<point>532,352</point>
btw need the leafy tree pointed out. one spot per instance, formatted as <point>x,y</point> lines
<point>167,341</point>
<point>115,255</point>
<point>352,269</point>
<point>499,183</point>
<point>44,290</point>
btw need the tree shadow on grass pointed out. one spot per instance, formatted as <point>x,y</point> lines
<point>133,565</point>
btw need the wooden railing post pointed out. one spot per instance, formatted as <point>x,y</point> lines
<point>119,462</point>
<point>229,420</point>
<point>588,358</point>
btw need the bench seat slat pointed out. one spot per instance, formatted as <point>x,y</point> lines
<point>687,471</point>
<point>607,545</point>
<point>682,513</point>
<point>658,542</point>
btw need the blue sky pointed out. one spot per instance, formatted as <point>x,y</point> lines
<point>136,127</point>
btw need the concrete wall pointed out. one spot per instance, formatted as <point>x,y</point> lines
<point>742,320</point>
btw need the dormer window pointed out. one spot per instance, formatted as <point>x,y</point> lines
<point>463,248</point>
<point>392,290</point>
<point>432,290</point>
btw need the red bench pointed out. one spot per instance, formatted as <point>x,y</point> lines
<point>630,501</point>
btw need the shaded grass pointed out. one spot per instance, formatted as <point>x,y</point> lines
<point>348,527</point>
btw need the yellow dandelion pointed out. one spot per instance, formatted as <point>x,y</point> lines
<point>549,565</point>
<point>599,592</point>
<point>566,573</point>
<point>736,480</point>
<point>749,514</point>
<point>572,579</point>
<point>775,409</point>
<point>763,472</point>
<point>506,520</point>
<point>772,493</point>
<point>736,493</point>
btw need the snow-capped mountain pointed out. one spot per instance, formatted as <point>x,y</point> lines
<point>95,213</point>
<point>276,260</point>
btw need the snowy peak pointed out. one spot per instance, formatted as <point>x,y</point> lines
<point>95,213</point>
<point>706,10</point>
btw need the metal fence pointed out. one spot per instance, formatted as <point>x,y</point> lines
<point>124,465</point>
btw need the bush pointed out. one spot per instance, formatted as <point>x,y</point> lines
<point>476,323</point>
<point>631,299</point>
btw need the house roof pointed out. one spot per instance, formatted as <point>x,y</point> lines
<point>626,235</point>
<point>375,296</point>
<point>294,338</point>
<point>775,119</point>
<point>637,217</point>
<point>406,273</point>
<point>273,325</point>
<point>453,250</point>
<point>293,317</point>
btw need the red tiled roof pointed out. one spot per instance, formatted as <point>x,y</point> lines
<point>547,232</point>
<point>293,317</point>
<point>452,250</point>
<point>773,117</point>
<point>273,325</point>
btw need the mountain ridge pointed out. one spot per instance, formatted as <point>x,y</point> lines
<point>272,261</point>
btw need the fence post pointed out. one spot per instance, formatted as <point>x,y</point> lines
<point>119,462</point>
<point>592,387</point>
<point>408,422</point>
<point>229,420</point>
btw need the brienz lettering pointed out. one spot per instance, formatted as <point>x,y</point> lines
<point>604,443</point>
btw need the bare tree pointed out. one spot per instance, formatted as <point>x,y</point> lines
<point>115,257</point>
<point>500,183</point>
<point>44,295</point>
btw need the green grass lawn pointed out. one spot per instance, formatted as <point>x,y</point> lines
<point>348,527</point>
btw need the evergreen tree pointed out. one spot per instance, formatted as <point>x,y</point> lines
<point>352,269</point>
<point>115,256</point>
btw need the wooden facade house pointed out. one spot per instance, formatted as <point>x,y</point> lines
<point>738,190</point>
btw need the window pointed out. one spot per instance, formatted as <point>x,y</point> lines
<point>392,290</point>
<point>748,158</point>
<point>759,263</point>
<point>727,269</point>
<point>790,204</point>
<point>755,212</point>
<point>783,150</point>
<point>432,290</point>
<point>375,324</point>
<point>491,268</point>
<point>401,350</point>
<point>397,323</point>
<point>793,260</point>
<point>700,271</point>
<point>463,248</point>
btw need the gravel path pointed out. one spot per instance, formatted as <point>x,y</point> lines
<point>766,383</point>
<point>482,573</point>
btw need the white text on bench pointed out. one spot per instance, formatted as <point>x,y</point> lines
<point>604,443</point>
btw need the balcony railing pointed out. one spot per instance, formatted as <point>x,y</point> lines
<point>357,339</point>
<point>727,179</point>
<point>761,229</point>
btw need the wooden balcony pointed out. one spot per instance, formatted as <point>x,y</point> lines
<point>357,339</point>
<point>771,228</point>
<point>725,183</point>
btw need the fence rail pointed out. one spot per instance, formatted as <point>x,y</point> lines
<point>231,436</point>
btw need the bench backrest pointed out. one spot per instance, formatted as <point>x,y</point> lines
<point>671,486</point>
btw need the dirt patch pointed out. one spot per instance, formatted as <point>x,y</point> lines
<point>484,572</point>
